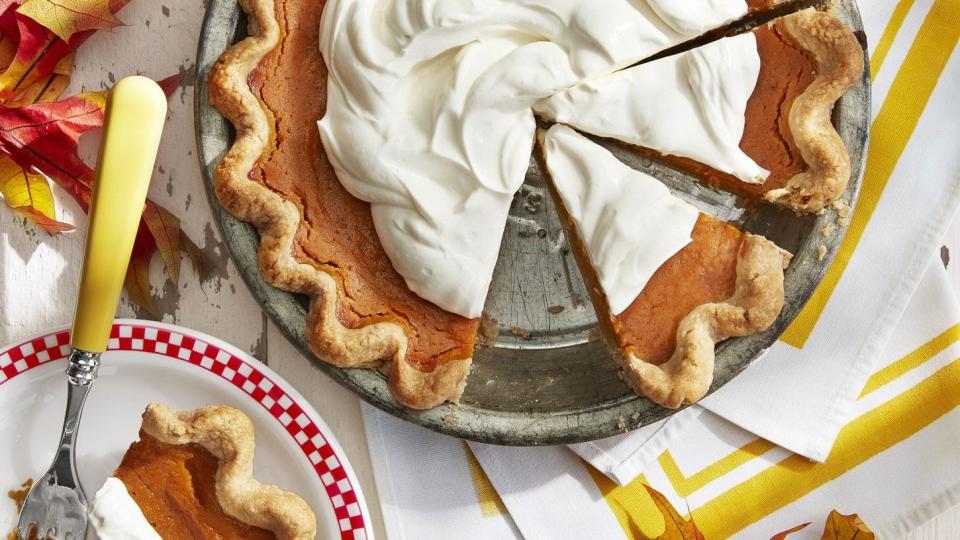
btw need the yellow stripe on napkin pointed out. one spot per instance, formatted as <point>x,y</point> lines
<point>895,123</point>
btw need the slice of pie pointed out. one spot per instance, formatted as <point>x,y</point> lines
<point>671,281</point>
<point>190,476</point>
<point>391,224</point>
<point>750,113</point>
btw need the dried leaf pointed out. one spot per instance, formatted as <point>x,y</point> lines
<point>68,17</point>
<point>29,195</point>
<point>782,535</point>
<point>164,227</point>
<point>44,136</point>
<point>675,527</point>
<point>841,527</point>
<point>197,258</point>
<point>39,54</point>
<point>137,280</point>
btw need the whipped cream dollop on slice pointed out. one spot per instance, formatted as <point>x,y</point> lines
<point>429,112</point>
<point>116,516</point>
<point>691,105</point>
<point>628,222</point>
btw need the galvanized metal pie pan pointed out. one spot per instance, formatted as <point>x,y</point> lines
<point>547,377</point>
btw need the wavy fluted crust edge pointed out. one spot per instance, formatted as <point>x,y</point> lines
<point>754,306</point>
<point>277,219</point>
<point>839,59</point>
<point>228,435</point>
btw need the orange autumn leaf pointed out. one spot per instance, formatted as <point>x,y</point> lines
<point>675,527</point>
<point>841,527</point>
<point>782,535</point>
<point>39,55</point>
<point>29,195</point>
<point>65,18</point>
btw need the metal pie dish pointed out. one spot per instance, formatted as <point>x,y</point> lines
<point>547,376</point>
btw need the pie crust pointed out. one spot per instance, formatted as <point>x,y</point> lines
<point>839,59</point>
<point>380,344</point>
<point>755,304</point>
<point>227,434</point>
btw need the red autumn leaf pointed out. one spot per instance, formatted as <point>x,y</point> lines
<point>39,51</point>
<point>44,136</point>
<point>65,18</point>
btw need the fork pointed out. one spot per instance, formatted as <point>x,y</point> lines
<point>56,506</point>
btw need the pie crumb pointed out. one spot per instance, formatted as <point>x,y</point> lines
<point>522,332</point>
<point>842,208</point>
<point>821,252</point>
<point>827,230</point>
<point>18,496</point>
<point>487,333</point>
<point>555,310</point>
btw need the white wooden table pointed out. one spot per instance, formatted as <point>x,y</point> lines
<point>38,272</point>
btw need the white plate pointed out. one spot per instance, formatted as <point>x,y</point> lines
<point>150,361</point>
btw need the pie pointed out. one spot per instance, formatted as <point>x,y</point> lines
<point>190,476</point>
<point>802,64</point>
<point>704,280</point>
<point>389,216</point>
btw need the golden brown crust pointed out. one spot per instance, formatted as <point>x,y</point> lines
<point>228,435</point>
<point>381,344</point>
<point>839,60</point>
<point>754,306</point>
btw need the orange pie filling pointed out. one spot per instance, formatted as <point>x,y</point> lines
<point>174,486</point>
<point>337,234</point>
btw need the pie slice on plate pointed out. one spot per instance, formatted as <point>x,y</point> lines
<point>190,476</point>
<point>671,281</point>
<point>750,113</point>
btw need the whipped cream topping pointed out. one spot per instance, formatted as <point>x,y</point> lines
<point>116,516</point>
<point>690,105</point>
<point>628,222</point>
<point>429,112</point>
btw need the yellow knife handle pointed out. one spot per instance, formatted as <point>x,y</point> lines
<point>135,113</point>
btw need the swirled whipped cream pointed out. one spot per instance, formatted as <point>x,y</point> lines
<point>116,516</point>
<point>690,105</point>
<point>429,112</point>
<point>628,222</point>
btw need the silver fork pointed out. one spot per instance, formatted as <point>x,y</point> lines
<point>56,506</point>
<point>56,503</point>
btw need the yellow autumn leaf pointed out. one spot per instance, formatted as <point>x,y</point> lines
<point>67,17</point>
<point>841,527</point>
<point>29,195</point>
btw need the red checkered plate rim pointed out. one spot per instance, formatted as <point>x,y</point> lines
<point>261,384</point>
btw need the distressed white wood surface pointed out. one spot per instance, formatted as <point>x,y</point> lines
<point>38,273</point>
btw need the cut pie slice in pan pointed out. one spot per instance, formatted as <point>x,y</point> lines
<point>750,113</point>
<point>668,281</point>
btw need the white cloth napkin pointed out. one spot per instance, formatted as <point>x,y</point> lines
<point>895,462</point>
